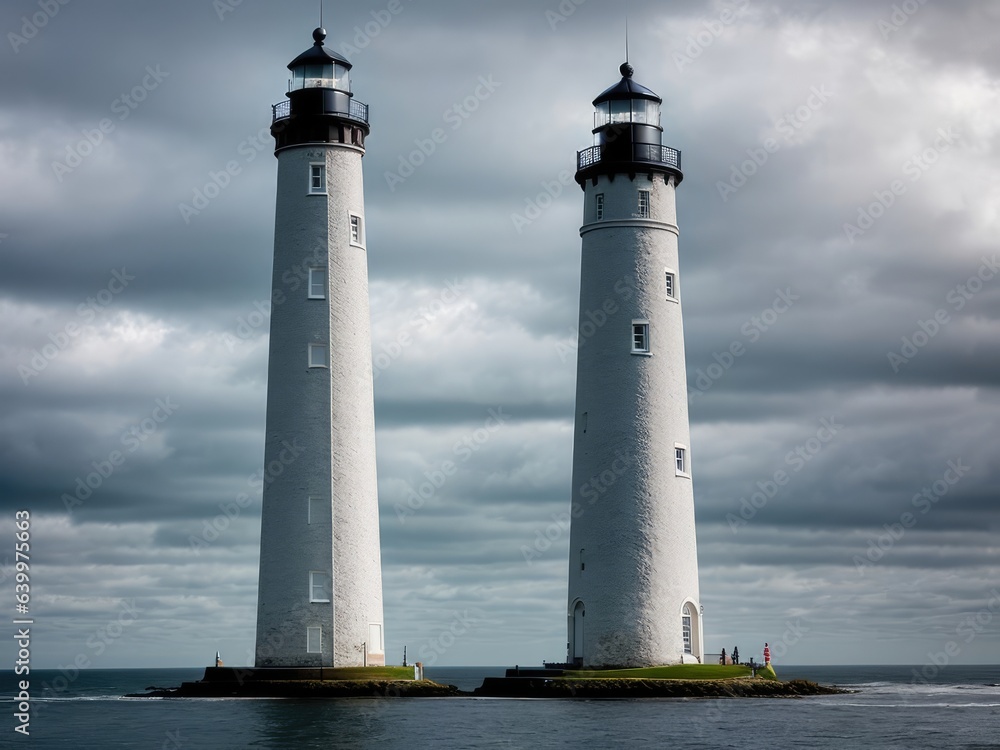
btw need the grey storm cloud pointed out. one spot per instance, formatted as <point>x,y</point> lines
<point>838,207</point>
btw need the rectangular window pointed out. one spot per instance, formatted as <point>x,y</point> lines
<point>643,204</point>
<point>317,283</point>
<point>314,513</point>
<point>686,632</point>
<point>671,285</point>
<point>640,336</point>
<point>317,355</point>
<point>357,231</point>
<point>314,640</point>
<point>319,586</point>
<point>317,179</point>
<point>599,206</point>
<point>681,461</point>
<point>375,638</point>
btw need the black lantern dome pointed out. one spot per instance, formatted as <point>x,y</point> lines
<point>320,107</point>
<point>320,67</point>
<point>627,134</point>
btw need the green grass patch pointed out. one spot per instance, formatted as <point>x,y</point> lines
<point>674,672</point>
<point>767,673</point>
<point>368,673</point>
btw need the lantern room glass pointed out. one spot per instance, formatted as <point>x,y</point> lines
<point>639,111</point>
<point>329,76</point>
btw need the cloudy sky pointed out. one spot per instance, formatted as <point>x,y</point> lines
<point>843,156</point>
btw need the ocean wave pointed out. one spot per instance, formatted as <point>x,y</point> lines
<point>921,706</point>
<point>924,688</point>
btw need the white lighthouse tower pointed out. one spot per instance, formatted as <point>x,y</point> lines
<point>633,572</point>
<point>320,591</point>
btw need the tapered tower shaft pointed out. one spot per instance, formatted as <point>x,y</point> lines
<point>320,587</point>
<point>633,573</point>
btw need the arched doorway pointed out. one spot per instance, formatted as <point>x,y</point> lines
<point>578,633</point>
<point>691,633</point>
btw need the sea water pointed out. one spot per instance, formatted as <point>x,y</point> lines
<point>895,707</point>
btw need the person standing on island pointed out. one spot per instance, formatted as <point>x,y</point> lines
<point>767,655</point>
<point>736,655</point>
<point>722,659</point>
